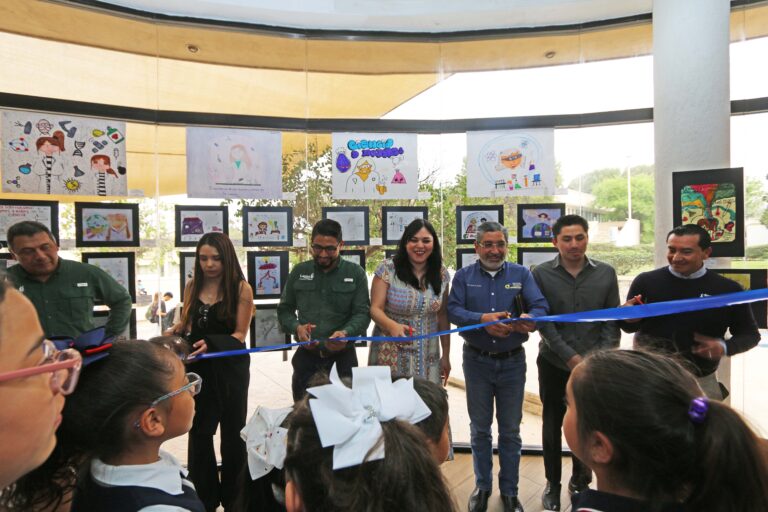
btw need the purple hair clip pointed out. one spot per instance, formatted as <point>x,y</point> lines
<point>697,411</point>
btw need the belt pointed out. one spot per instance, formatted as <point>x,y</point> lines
<point>495,355</point>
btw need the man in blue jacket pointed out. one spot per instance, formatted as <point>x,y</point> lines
<point>494,358</point>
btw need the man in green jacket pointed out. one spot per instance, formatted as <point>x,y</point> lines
<point>63,291</point>
<point>324,299</point>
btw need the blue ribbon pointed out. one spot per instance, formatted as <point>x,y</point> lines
<point>597,315</point>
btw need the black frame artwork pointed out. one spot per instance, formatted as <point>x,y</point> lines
<point>547,235</point>
<point>252,274</point>
<point>90,257</point>
<point>272,308</point>
<point>461,230</point>
<point>460,253</point>
<point>389,236</point>
<point>183,271</point>
<point>328,212</point>
<point>758,279</point>
<point>718,177</point>
<point>53,207</point>
<point>130,210</point>
<point>360,253</point>
<point>522,251</point>
<point>285,238</point>
<point>198,230</point>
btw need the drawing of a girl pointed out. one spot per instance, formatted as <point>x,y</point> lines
<point>50,164</point>
<point>101,164</point>
<point>118,227</point>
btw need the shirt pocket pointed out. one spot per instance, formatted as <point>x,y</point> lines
<point>75,302</point>
<point>342,296</point>
<point>305,294</point>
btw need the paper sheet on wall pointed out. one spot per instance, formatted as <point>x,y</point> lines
<point>511,163</point>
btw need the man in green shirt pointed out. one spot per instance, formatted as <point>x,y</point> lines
<point>324,298</point>
<point>63,291</point>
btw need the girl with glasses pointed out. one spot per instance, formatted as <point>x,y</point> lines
<point>218,306</point>
<point>34,377</point>
<point>125,407</point>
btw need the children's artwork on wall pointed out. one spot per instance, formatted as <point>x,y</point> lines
<point>356,256</point>
<point>13,211</point>
<point>394,220</point>
<point>468,218</point>
<point>54,154</point>
<point>750,279</point>
<point>101,316</point>
<point>265,328</point>
<point>353,220</point>
<point>465,257</point>
<point>531,256</point>
<point>714,200</point>
<point>121,266</point>
<point>268,226</point>
<point>511,163</point>
<point>267,273</point>
<point>375,166</point>
<point>6,261</point>
<point>535,221</point>
<point>192,222</point>
<point>234,163</point>
<point>186,271</point>
<point>106,225</point>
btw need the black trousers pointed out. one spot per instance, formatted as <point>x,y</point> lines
<point>222,401</point>
<point>307,363</point>
<point>552,382</point>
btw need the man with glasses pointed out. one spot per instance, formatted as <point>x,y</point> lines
<point>324,299</point>
<point>63,291</point>
<point>494,365</point>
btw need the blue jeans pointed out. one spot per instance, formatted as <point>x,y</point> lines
<point>504,380</point>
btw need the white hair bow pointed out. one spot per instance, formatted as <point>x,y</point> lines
<point>265,440</point>
<point>349,419</point>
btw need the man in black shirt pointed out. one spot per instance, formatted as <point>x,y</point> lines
<point>698,336</point>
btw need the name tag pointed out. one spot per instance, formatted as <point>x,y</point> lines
<point>306,277</point>
<point>349,280</point>
<point>82,285</point>
<point>513,286</point>
<point>470,285</point>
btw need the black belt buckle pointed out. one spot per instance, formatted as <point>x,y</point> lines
<point>496,355</point>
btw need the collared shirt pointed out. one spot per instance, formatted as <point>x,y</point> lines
<point>336,300</point>
<point>595,287</point>
<point>65,301</point>
<point>694,275</point>
<point>475,292</point>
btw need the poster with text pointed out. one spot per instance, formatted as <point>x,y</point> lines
<point>54,154</point>
<point>375,166</point>
<point>511,163</point>
<point>232,163</point>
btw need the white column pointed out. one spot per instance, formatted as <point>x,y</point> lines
<point>691,91</point>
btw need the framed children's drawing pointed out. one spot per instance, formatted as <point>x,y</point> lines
<point>535,221</point>
<point>265,328</point>
<point>394,220</point>
<point>389,253</point>
<point>6,261</point>
<point>106,225</point>
<point>750,279</point>
<point>354,255</point>
<point>468,218</point>
<point>186,271</point>
<point>267,273</point>
<point>465,257</point>
<point>268,226</point>
<point>101,316</point>
<point>531,256</point>
<point>354,223</point>
<point>13,211</point>
<point>121,266</point>
<point>714,200</point>
<point>192,222</point>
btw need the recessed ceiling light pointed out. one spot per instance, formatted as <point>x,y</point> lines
<point>193,48</point>
<point>549,54</point>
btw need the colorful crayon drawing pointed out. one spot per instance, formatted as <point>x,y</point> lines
<point>471,220</point>
<point>711,206</point>
<point>268,275</point>
<point>538,222</point>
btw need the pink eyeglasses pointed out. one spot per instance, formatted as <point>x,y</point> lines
<point>63,364</point>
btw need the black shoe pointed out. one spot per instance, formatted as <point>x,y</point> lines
<point>511,504</point>
<point>550,500</point>
<point>576,486</point>
<point>478,500</point>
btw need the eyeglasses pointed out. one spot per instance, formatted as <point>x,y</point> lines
<point>203,320</point>
<point>330,249</point>
<point>194,386</point>
<point>491,245</point>
<point>64,365</point>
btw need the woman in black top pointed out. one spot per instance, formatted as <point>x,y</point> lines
<point>218,306</point>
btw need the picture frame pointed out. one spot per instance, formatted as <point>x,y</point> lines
<point>389,253</point>
<point>265,328</point>
<point>267,226</point>
<point>186,271</point>
<point>750,279</point>
<point>267,273</point>
<point>15,210</point>
<point>535,221</point>
<point>468,218</point>
<point>529,257</point>
<point>6,261</point>
<point>354,255</point>
<point>465,257</point>
<point>394,220</point>
<point>714,200</point>
<point>121,266</point>
<point>354,220</point>
<point>100,317</point>
<point>106,225</point>
<point>192,222</point>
